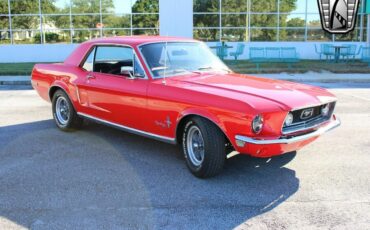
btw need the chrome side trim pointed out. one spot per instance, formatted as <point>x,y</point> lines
<point>130,130</point>
<point>332,125</point>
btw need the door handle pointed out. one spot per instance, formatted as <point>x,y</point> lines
<point>90,76</point>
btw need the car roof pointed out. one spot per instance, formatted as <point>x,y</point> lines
<point>138,40</point>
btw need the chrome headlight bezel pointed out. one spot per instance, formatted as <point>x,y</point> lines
<point>288,120</point>
<point>257,124</point>
<point>325,110</point>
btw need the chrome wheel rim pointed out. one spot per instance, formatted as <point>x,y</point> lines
<point>62,110</point>
<point>195,146</point>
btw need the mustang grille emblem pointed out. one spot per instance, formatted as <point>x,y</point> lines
<point>307,113</point>
<point>338,16</point>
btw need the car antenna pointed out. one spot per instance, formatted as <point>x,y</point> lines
<point>165,64</point>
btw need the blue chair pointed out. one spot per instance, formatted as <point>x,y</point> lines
<point>350,52</point>
<point>365,56</point>
<point>239,51</point>
<point>319,52</point>
<point>328,51</point>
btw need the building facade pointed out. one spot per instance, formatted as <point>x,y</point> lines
<point>52,28</point>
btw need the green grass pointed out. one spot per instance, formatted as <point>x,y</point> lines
<point>242,66</point>
<point>246,67</point>
<point>16,69</point>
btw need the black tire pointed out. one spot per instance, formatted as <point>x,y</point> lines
<point>213,146</point>
<point>70,120</point>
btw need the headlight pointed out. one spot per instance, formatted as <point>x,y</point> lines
<point>325,110</point>
<point>257,124</point>
<point>288,120</point>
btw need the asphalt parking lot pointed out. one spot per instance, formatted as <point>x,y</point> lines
<point>102,178</point>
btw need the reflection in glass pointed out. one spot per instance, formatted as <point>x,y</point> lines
<point>4,22</point>
<point>145,6</point>
<point>234,20</point>
<point>85,6</point>
<point>264,20</point>
<point>206,5</point>
<point>205,34</point>
<point>286,34</point>
<point>234,35</point>
<point>50,22</point>
<point>116,21</point>
<point>145,32</point>
<point>293,6</point>
<point>24,6</point>
<point>4,7</point>
<point>4,37</point>
<point>26,22</point>
<point>318,35</point>
<point>263,6</point>
<point>353,36</point>
<point>115,32</point>
<point>206,20</point>
<point>234,6</point>
<point>117,7</point>
<point>263,34</point>
<point>85,21</point>
<point>79,36</point>
<point>292,20</point>
<point>145,20</point>
<point>26,37</point>
<point>56,36</point>
<point>55,7</point>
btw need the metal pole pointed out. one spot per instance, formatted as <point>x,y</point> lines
<point>42,39</point>
<point>10,23</point>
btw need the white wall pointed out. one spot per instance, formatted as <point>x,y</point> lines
<point>58,52</point>
<point>35,53</point>
<point>176,18</point>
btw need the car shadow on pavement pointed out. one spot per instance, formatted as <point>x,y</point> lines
<point>100,177</point>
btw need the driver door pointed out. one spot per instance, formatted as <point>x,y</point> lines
<point>116,87</point>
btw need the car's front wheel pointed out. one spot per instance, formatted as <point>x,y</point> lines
<point>64,114</point>
<point>204,147</point>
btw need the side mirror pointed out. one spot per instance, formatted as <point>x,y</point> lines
<point>127,71</point>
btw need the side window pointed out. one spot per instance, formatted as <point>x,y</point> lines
<point>111,59</point>
<point>138,70</point>
<point>89,62</point>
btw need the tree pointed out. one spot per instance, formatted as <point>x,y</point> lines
<point>150,20</point>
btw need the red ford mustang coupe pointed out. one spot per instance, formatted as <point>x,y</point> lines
<point>176,90</point>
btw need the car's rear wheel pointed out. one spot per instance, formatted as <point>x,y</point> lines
<point>204,147</point>
<point>64,114</point>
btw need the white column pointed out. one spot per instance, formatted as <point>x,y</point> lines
<point>176,18</point>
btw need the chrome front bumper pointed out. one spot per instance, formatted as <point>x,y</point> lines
<point>242,140</point>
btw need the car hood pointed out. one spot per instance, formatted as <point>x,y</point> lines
<point>287,95</point>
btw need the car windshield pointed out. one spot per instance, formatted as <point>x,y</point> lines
<point>176,58</point>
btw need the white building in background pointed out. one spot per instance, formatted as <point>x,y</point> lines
<point>58,26</point>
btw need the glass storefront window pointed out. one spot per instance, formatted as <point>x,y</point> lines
<point>145,6</point>
<point>50,22</point>
<point>258,6</point>
<point>235,35</point>
<point>26,22</point>
<point>208,35</point>
<point>116,21</point>
<point>292,20</point>
<point>234,6</point>
<point>288,34</point>
<point>145,20</point>
<point>26,36</point>
<point>4,37</point>
<point>79,36</point>
<point>85,6</point>
<point>4,23</point>
<point>115,32</point>
<point>206,20</point>
<point>56,36</point>
<point>263,34</point>
<point>4,7</point>
<point>145,32</point>
<point>206,6</point>
<point>318,35</point>
<point>234,20</point>
<point>55,7</point>
<point>24,7</point>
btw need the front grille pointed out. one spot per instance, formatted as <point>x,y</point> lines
<point>313,118</point>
